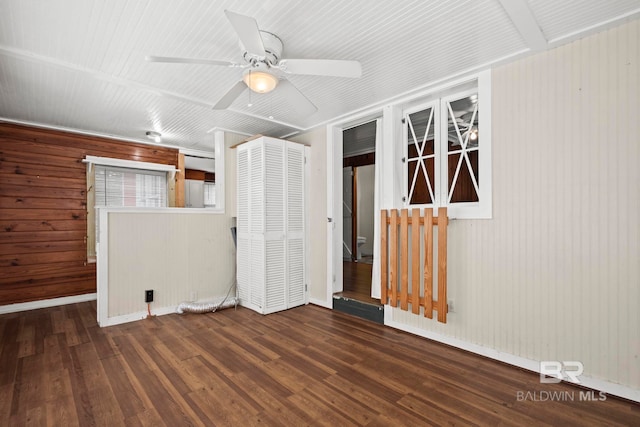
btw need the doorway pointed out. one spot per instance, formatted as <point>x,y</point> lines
<point>358,179</point>
<point>357,259</point>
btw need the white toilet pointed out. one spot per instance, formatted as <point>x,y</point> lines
<point>361,241</point>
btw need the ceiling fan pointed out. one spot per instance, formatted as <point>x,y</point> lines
<point>264,66</point>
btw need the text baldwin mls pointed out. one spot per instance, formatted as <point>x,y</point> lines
<point>554,396</point>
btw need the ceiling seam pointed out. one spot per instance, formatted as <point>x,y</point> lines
<point>526,23</point>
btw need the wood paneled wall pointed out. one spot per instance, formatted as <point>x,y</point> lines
<point>43,215</point>
<point>199,175</point>
<point>359,160</point>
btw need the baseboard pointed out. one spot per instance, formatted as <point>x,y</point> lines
<point>321,303</point>
<point>521,362</point>
<point>173,309</point>
<point>45,303</point>
<point>132,317</point>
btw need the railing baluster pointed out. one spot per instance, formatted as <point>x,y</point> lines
<point>428,263</point>
<point>384,284</point>
<point>442,265</point>
<point>404,259</point>
<point>393,257</point>
<point>415,256</point>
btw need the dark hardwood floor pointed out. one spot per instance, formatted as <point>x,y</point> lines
<point>304,366</point>
<point>357,282</point>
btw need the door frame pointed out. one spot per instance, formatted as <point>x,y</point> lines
<point>334,197</point>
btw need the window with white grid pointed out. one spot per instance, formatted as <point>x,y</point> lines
<point>447,157</point>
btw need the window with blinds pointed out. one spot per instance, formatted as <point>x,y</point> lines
<point>209,194</point>
<point>116,186</point>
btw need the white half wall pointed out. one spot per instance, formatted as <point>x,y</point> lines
<point>178,253</point>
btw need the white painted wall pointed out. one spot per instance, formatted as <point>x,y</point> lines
<point>176,252</point>
<point>317,208</point>
<point>365,206</point>
<point>555,274</point>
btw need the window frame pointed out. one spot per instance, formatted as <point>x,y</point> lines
<point>463,210</point>
<point>220,151</point>
<point>92,214</point>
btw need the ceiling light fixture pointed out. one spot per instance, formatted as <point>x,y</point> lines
<point>155,136</point>
<point>260,80</point>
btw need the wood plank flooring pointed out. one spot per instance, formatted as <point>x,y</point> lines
<point>304,366</point>
<point>357,282</point>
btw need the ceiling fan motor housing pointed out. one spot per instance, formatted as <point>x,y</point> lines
<point>273,47</point>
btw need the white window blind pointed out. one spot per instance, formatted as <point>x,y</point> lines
<point>209,194</point>
<point>116,186</point>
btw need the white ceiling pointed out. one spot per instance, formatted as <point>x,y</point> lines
<point>79,64</point>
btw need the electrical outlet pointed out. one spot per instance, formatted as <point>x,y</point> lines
<point>148,296</point>
<point>450,306</point>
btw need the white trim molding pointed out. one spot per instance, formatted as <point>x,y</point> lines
<point>140,315</point>
<point>322,303</point>
<point>46,303</point>
<point>131,164</point>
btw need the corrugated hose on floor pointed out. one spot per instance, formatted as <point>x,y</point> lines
<point>208,307</point>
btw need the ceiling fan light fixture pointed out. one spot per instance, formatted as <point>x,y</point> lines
<point>260,81</point>
<point>155,136</point>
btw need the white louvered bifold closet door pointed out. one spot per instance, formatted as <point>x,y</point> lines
<point>256,226</point>
<point>243,251</point>
<point>270,255</point>
<point>275,210</point>
<point>295,225</point>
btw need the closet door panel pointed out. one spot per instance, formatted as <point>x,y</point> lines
<point>271,220</point>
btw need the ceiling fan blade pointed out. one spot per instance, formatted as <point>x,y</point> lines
<point>296,98</point>
<point>230,96</point>
<point>322,67</point>
<point>172,59</point>
<point>248,32</point>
